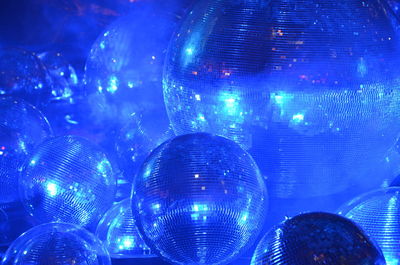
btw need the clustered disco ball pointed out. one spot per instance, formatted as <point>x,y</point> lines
<point>378,212</point>
<point>23,75</point>
<point>309,87</point>
<point>317,238</point>
<point>56,244</point>
<point>199,199</point>
<point>118,231</point>
<point>22,128</point>
<point>67,179</point>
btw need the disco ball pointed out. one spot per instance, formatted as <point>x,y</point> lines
<point>118,231</point>
<point>124,68</point>
<point>23,75</point>
<point>309,88</point>
<point>57,243</point>
<point>22,128</point>
<point>377,212</point>
<point>134,143</point>
<point>199,199</point>
<point>67,179</point>
<point>317,238</point>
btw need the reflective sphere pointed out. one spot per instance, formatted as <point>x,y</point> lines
<point>68,179</point>
<point>56,244</point>
<point>118,231</point>
<point>23,75</point>
<point>317,238</point>
<point>199,199</point>
<point>22,128</point>
<point>378,213</point>
<point>134,143</point>
<point>310,88</point>
<point>124,68</point>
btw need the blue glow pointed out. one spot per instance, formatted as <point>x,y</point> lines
<point>52,189</point>
<point>113,84</point>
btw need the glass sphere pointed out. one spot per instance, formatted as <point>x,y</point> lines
<point>67,179</point>
<point>199,199</point>
<point>309,88</point>
<point>118,231</point>
<point>124,68</point>
<point>23,75</point>
<point>317,238</point>
<point>134,143</point>
<point>57,244</point>
<point>22,128</point>
<point>378,213</point>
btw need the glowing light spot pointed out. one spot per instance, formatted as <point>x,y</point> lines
<point>198,97</point>
<point>52,189</point>
<point>201,117</point>
<point>298,118</point>
<point>112,84</point>
<point>196,176</point>
<point>189,51</point>
<point>102,45</point>
<point>200,207</point>
<point>153,57</point>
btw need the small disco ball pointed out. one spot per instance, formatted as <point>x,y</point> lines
<point>57,243</point>
<point>124,67</point>
<point>378,212</point>
<point>309,88</point>
<point>67,179</point>
<point>199,199</point>
<point>22,128</point>
<point>118,231</point>
<point>23,75</point>
<point>134,142</point>
<point>317,238</point>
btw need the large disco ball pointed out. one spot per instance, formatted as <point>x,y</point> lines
<point>378,212</point>
<point>68,179</point>
<point>56,243</point>
<point>124,67</point>
<point>310,88</point>
<point>23,75</point>
<point>199,199</point>
<point>118,231</point>
<point>22,128</point>
<point>317,238</point>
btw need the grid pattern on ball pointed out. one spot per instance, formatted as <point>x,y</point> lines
<point>290,80</point>
<point>317,238</point>
<point>200,199</point>
<point>56,244</point>
<point>378,214</point>
<point>68,179</point>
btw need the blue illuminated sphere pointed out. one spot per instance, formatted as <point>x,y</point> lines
<point>56,244</point>
<point>118,231</point>
<point>378,213</point>
<point>309,88</point>
<point>23,75</point>
<point>199,199</point>
<point>124,68</point>
<point>67,179</point>
<point>22,128</point>
<point>317,238</point>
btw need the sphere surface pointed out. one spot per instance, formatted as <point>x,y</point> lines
<point>309,88</point>
<point>199,199</point>
<point>23,75</point>
<point>317,238</point>
<point>68,179</point>
<point>378,213</point>
<point>22,128</point>
<point>56,244</point>
<point>118,231</point>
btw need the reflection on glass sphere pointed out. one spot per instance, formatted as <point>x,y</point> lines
<point>56,244</point>
<point>67,179</point>
<point>124,68</point>
<point>134,143</point>
<point>378,212</point>
<point>23,75</point>
<point>317,238</point>
<point>62,74</point>
<point>310,88</point>
<point>118,231</point>
<point>22,128</point>
<point>199,199</point>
